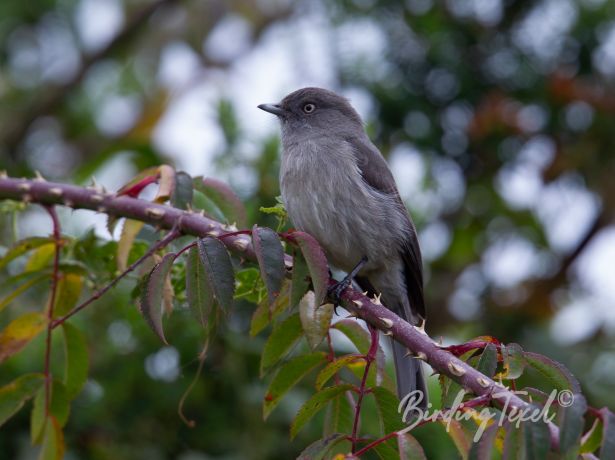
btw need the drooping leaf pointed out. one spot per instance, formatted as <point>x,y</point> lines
<point>488,360</point>
<point>166,183</point>
<point>225,199</point>
<point>23,246</point>
<point>316,262</point>
<point>40,257</point>
<point>514,363</point>
<point>556,373</point>
<point>571,425</point>
<point>315,319</point>
<point>386,405</point>
<point>219,270</point>
<point>313,405</point>
<point>263,315</point>
<point>130,230</point>
<point>53,441</point>
<point>300,279</point>
<point>591,440</point>
<point>77,361</point>
<point>319,449</point>
<point>181,197</point>
<point>288,376</point>
<point>339,417</point>
<point>409,448</point>
<point>607,449</point>
<point>270,257</point>
<point>334,367</point>
<point>20,332</point>
<point>17,291</point>
<point>537,440</point>
<point>281,340</point>
<point>199,293</point>
<point>59,407</point>
<point>68,293</point>
<point>14,395</point>
<point>151,303</point>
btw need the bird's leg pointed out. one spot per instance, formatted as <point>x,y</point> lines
<point>335,292</point>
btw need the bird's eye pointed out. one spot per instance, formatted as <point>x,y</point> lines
<point>309,107</point>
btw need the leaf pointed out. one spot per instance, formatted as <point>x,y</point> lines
<point>339,417</point>
<point>571,425</point>
<point>270,257</point>
<point>316,262</point>
<point>40,258</point>
<point>135,185</point>
<point>288,376</point>
<point>23,246</point>
<point>607,450</point>
<point>53,442</point>
<point>77,361</point>
<point>166,183</point>
<point>14,395</point>
<point>181,197</point>
<point>69,291</point>
<point>130,230</point>
<point>556,373</point>
<point>263,315</point>
<point>592,439</point>
<point>488,360</point>
<point>409,448</point>
<point>460,438</point>
<point>151,303</point>
<point>250,286</point>
<point>513,361</point>
<point>21,289</point>
<point>315,319</point>
<point>319,449</point>
<point>281,340</point>
<point>333,368</point>
<point>387,450</point>
<point>537,440</point>
<point>300,279</point>
<point>485,447</point>
<point>19,332</point>
<point>225,198</point>
<point>199,293</point>
<point>513,443</point>
<point>219,270</point>
<point>59,407</point>
<point>313,405</point>
<point>387,404</point>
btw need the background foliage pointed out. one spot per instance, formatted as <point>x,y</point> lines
<point>496,118</point>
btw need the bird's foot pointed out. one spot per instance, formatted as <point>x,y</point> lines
<point>335,292</point>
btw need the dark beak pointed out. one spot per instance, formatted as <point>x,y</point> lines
<point>272,108</point>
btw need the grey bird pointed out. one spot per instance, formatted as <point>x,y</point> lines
<point>337,186</point>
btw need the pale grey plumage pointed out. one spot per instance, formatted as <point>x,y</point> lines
<point>337,186</point>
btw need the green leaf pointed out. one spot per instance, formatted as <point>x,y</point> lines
<point>313,405</point>
<point>537,439</point>
<point>250,286</point>
<point>333,368</point>
<point>70,286</point>
<point>387,450</point>
<point>14,395</point>
<point>40,258</point>
<point>556,373</point>
<point>485,447</point>
<point>17,291</point>
<point>607,450</point>
<point>488,360</point>
<point>300,279</point>
<point>339,417</point>
<point>53,441</point>
<point>387,404</point>
<point>20,332</point>
<point>219,270</point>
<point>130,230</point>
<point>315,319</point>
<point>514,363</point>
<point>281,340</point>
<point>151,303</point>
<point>23,246</point>
<point>263,315</point>
<point>409,448</point>
<point>288,376</point>
<point>319,449</point>
<point>182,193</point>
<point>224,198</point>
<point>316,262</point>
<point>461,438</point>
<point>270,256</point>
<point>199,293</point>
<point>571,426</point>
<point>592,439</point>
<point>59,408</point>
<point>77,361</point>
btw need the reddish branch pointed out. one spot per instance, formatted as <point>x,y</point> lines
<point>185,222</point>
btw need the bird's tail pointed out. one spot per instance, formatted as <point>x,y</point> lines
<point>410,379</point>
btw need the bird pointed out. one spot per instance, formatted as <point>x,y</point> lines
<point>337,186</point>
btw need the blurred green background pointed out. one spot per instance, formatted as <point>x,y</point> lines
<point>496,116</point>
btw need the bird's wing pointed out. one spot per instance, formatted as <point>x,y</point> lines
<point>376,174</point>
